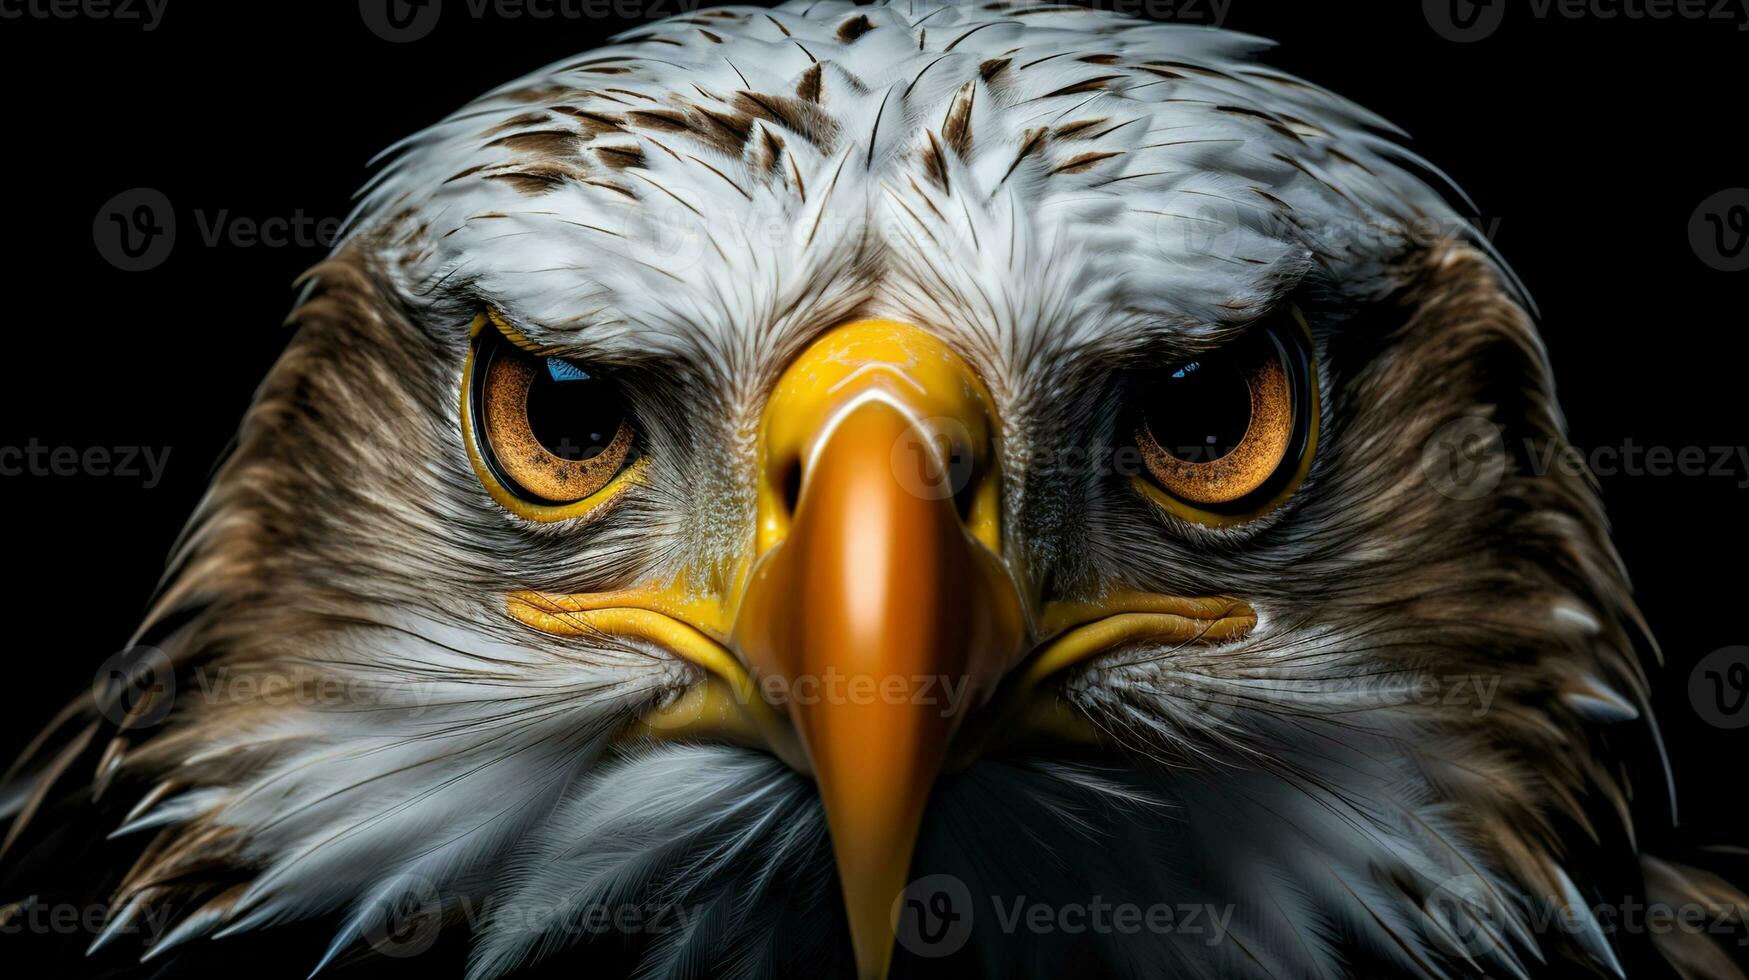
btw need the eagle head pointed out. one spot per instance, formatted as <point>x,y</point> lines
<point>851,472</point>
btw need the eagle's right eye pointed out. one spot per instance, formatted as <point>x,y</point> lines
<point>549,431</point>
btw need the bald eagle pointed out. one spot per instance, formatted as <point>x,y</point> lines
<point>894,490</point>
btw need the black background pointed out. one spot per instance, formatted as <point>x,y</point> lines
<point>1587,144</point>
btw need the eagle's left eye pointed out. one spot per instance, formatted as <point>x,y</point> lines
<point>1228,434</point>
<point>548,430</point>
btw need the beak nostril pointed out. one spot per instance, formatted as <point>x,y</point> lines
<point>790,483</point>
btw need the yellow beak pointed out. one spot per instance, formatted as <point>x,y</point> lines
<point>877,615</point>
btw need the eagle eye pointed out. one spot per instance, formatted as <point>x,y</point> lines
<point>550,431</point>
<point>1227,435</point>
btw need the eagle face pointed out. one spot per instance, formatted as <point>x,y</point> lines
<point>790,454</point>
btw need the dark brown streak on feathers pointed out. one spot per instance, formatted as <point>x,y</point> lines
<point>1083,161</point>
<point>728,132</point>
<point>1034,142</point>
<point>875,130</point>
<point>1166,73</point>
<point>808,87</point>
<point>1336,153</point>
<point>1107,131</point>
<point>914,218</point>
<point>1075,129</point>
<point>658,144</point>
<point>519,121</point>
<point>620,157</point>
<point>608,98</point>
<point>830,187</point>
<point>559,143</point>
<point>611,186</point>
<point>796,171</point>
<point>680,200</point>
<point>776,24</point>
<point>768,153</point>
<point>1094,84</point>
<point>803,118</point>
<point>956,127</point>
<point>726,179</point>
<point>532,182</point>
<point>1272,121</point>
<point>919,75</point>
<point>1187,68</point>
<point>935,162</point>
<point>1272,199</point>
<point>990,69</point>
<point>955,42</point>
<point>854,28</point>
<point>595,122</point>
<point>665,120</point>
<point>1040,61</point>
<point>925,198</point>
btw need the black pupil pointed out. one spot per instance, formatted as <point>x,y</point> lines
<point>572,413</point>
<point>1199,412</point>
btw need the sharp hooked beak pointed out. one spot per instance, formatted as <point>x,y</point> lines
<point>875,613</point>
<point>878,597</point>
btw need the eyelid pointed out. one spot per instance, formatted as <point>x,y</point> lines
<point>516,337</point>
